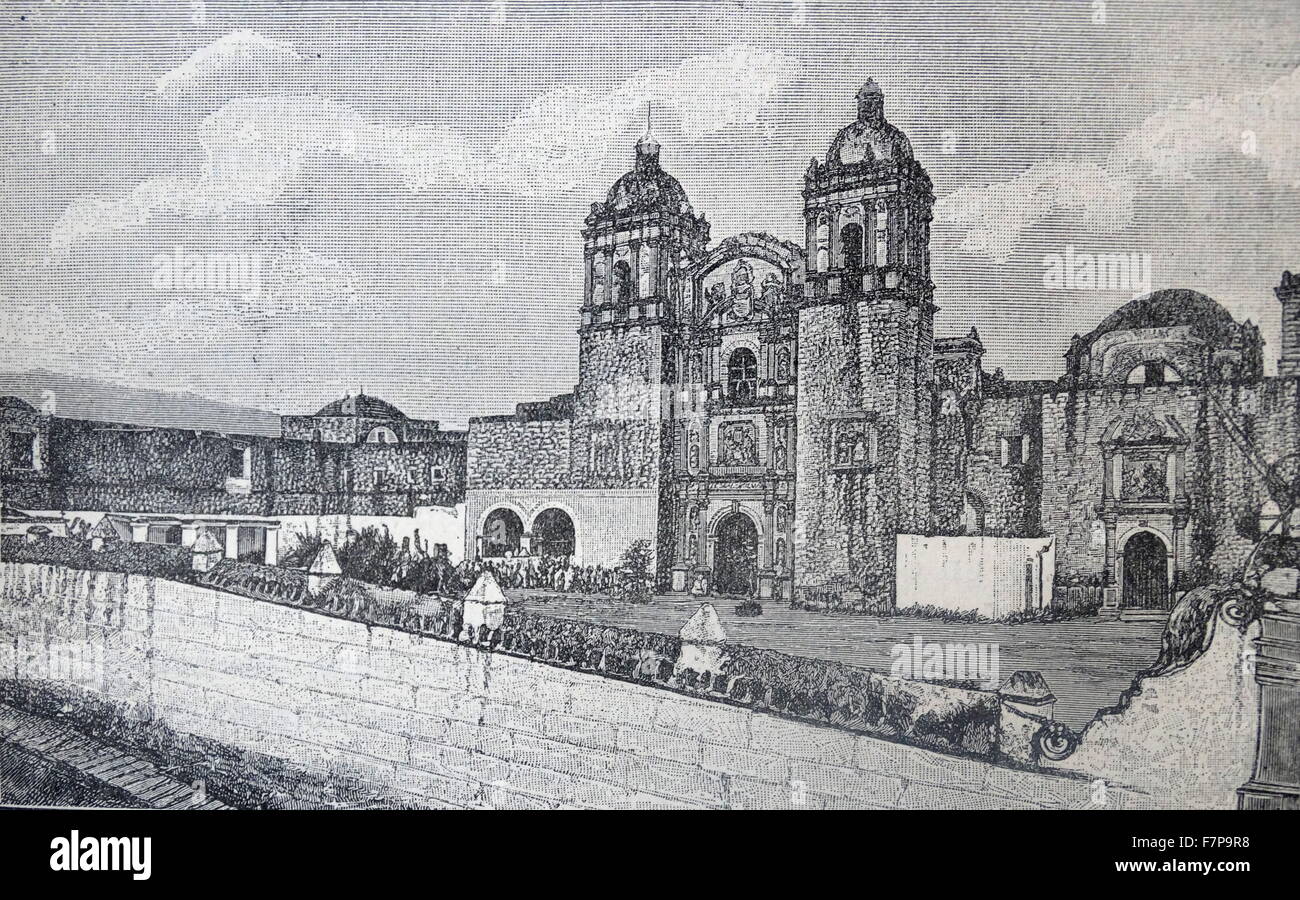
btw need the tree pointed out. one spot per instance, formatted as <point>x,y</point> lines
<point>634,565</point>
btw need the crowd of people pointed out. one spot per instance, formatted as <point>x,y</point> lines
<point>374,556</point>
<point>554,573</point>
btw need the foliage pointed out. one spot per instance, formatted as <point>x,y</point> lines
<point>162,560</point>
<point>371,555</point>
<point>635,566</point>
<point>260,582</point>
<point>301,548</point>
<point>1019,617</point>
<point>749,608</point>
<point>349,598</point>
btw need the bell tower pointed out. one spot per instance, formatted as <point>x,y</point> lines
<point>634,244</point>
<point>866,335</point>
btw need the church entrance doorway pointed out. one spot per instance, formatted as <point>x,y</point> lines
<point>1146,573</point>
<point>735,556</point>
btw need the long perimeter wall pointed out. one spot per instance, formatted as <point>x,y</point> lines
<point>453,725</point>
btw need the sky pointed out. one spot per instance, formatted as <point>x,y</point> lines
<point>409,181</point>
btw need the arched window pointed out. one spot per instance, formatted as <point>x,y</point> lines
<point>851,242</point>
<point>1153,373</point>
<point>622,281</point>
<point>316,435</point>
<point>381,434</point>
<point>742,375</point>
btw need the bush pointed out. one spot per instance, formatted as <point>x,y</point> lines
<point>305,547</point>
<point>258,581</point>
<point>162,560</point>
<point>749,608</point>
<point>635,566</point>
<point>348,598</point>
<point>372,555</point>
<point>1020,617</point>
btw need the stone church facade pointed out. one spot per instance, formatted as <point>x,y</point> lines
<point>772,416</point>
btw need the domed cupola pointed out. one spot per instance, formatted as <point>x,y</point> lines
<point>1166,337</point>
<point>870,139</point>
<point>645,189</point>
<point>361,406</point>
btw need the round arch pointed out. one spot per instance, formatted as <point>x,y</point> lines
<point>736,551</point>
<point>554,531</point>
<point>500,529</point>
<point>715,523</point>
<point>716,519</point>
<point>381,434</point>
<point>1144,529</point>
<point>1145,561</point>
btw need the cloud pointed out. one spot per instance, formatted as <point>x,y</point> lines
<point>993,217</point>
<point>1174,144</point>
<point>254,147</point>
<point>718,91</point>
<point>243,49</point>
<point>568,133</point>
<point>1180,142</point>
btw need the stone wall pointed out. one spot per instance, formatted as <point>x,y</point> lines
<point>119,468</point>
<point>828,387</point>
<point>618,438</point>
<point>507,453</point>
<point>452,725</point>
<point>864,368</point>
<point>1010,492</point>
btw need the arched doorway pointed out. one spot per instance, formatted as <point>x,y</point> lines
<point>502,532</point>
<point>735,555</point>
<point>553,533</point>
<point>1146,572</point>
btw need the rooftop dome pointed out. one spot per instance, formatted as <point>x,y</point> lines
<point>362,406</point>
<point>1170,308</point>
<point>16,403</point>
<point>647,187</point>
<point>870,138</point>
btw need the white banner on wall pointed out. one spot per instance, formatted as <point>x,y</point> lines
<point>995,576</point>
